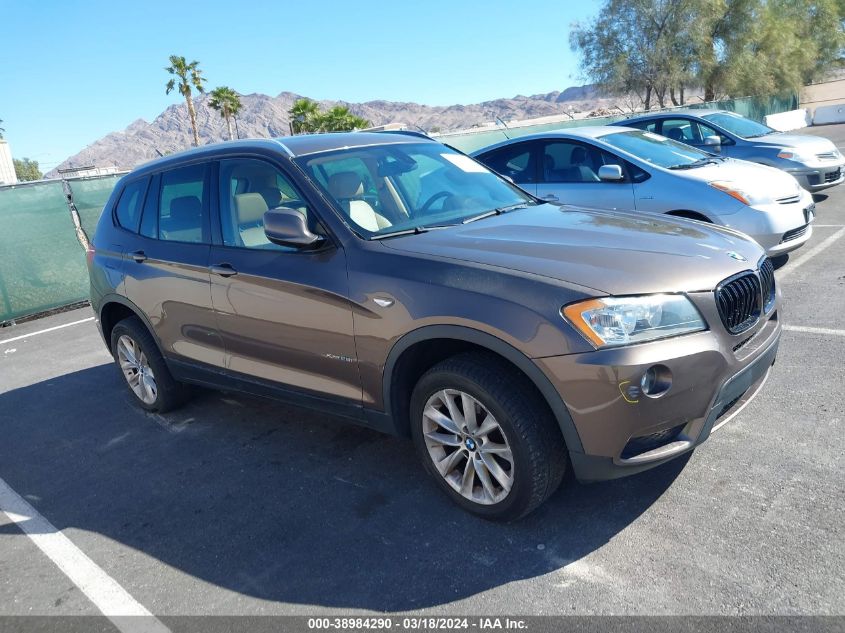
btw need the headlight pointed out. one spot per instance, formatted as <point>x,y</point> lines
<point>733,190</point>
<point>790,153</point>
<point>623,320</point>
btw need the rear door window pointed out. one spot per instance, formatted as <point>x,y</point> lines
<point>514,161</point>
<point>183,205</point>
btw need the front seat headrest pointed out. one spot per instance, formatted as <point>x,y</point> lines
<point>250,207</point>
<point>579,156</point>
<point>345,185</point>
<point>676,134</point>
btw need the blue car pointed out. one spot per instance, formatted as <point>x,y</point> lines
<point>815,162</point>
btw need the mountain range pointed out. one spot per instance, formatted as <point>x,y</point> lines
<point>266,116</point>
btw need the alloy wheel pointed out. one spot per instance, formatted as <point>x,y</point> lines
<point>136,369</point>
<point>468,447</point>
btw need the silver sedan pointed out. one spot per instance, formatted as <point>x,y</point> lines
<point>624,168</point>
<point>815,162</point>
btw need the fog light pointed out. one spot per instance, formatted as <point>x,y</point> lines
<point>656,381</point>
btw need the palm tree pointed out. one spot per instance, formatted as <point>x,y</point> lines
<point>189,75</point>
<point>227,102</point>
<point>340,119</point>
<point>303,116</point>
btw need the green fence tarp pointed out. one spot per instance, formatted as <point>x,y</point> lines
<point>42,264</point>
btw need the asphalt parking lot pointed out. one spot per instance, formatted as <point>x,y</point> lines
<point>243,506</point>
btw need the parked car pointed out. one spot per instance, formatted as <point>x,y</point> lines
<point>630,169</point>
<point>390,280</point>
<point>815,162</point>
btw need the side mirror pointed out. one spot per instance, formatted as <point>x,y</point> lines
<point>610,173</point>
<point>287,227</point>
<point>712,141</point>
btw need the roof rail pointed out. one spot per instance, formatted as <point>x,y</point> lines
<point>405,132</point>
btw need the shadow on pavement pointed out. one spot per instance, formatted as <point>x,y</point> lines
<point>280,504</point>
<point>820,197</point>
<point>780,261</point>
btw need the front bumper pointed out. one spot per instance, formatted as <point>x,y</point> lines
<point>817,178</point>
<point>778,228</point>
<point>623,431</point>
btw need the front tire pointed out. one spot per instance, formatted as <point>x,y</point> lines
<point>486,437</point>
<point>143,368</point>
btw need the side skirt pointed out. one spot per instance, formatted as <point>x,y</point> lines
<point>215,378</point>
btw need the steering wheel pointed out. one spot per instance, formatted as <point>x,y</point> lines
<point>435,198</point>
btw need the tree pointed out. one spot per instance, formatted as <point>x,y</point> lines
<point>26,169</point>
<point>635,46</point>
<point>657,48</point>
<point>1,129</point>
<point>189,77</point>
<point>303,116</point>
<point>306,117</point>
<point>227,102</point>
<point>340,119</point>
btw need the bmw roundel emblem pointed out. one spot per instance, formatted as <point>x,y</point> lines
<point>736,256</point>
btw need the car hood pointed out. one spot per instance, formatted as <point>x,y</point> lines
<point>761,182</point>
<point>616,253</point>
<point>812,144</point>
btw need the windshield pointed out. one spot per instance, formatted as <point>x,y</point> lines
<point>742,127</point>
<point>657,150</point>
<point>384,189</point>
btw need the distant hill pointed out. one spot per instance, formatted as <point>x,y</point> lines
<point>265,116</point>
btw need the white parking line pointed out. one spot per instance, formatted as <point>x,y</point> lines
<point>818,248</point>
<point>49,329</point>
<point>109,597</point>
<point>813,330</point>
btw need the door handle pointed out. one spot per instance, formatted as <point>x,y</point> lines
<point>224,270</point>
<point>551,197</point>
<point>138,256</point>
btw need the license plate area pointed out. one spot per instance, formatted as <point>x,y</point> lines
<point>809,213</point>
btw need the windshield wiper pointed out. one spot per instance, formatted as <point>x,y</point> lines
<point>412,231</point>
<point>496,211</point>
<point>708,160</point>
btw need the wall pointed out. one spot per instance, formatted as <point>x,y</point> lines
<point>822,94</point>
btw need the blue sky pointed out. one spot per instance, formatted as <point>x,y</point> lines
<point>71,72</point>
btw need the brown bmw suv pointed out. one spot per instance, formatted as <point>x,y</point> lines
<point>393,281</point>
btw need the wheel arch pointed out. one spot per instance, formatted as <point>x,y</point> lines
<point>113,309</point>
<point>689,215</point>
<point>420,349</point>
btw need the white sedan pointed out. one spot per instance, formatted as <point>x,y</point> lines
<point>626,168</point>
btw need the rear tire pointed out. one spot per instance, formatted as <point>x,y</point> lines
<point>486,437</point>
<point>143,367</point>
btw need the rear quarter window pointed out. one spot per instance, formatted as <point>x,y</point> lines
<point>648,126</point>
<point>127,213</point>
